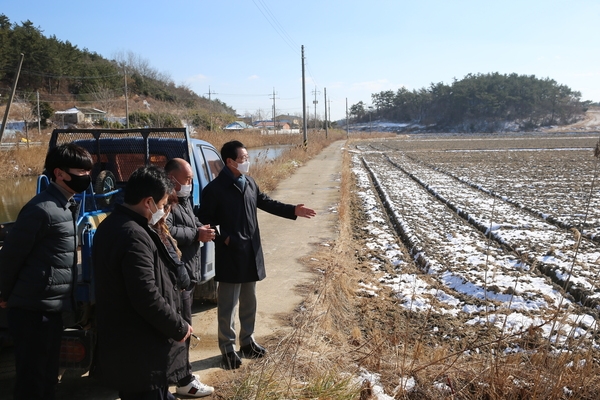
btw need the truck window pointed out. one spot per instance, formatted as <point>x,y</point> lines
<point>215,164</point>
<point>211,162</point>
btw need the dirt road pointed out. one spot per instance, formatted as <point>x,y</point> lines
<point>590,122</point>
<point>315,184</point>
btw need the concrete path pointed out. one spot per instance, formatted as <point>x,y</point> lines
<point>284,241</point>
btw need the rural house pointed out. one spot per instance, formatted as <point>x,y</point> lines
<point>77,115</point>
<point>237,126</point>
<point>270,125</point>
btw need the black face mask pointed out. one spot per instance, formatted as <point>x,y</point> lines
<point>78,182</point>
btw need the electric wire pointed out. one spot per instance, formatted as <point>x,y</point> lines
<point>277,27</point>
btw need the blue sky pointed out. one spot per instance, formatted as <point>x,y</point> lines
<point>245,49</point>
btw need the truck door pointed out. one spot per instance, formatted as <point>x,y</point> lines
<point>208,164</point>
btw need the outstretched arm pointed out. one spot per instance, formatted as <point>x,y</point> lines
<point>304,212</point>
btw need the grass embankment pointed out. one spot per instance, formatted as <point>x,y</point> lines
<point>22,161</point>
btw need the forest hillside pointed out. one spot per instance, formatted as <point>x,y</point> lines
<point>491,102</point>
<point>65,76</point>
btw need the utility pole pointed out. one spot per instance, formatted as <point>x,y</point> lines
<point>126,99</point>
<point>326,124</point>
<point>304,127</point>
<point>329,108</point>
<point>315,92</point>
<point>37,95</point>
<point>347,124</point>
<point>10,99</point>
<point>274,121</point>
<point>210,107</point>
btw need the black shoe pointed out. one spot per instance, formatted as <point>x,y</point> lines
<point>253,350</point>
<point>231,360</point>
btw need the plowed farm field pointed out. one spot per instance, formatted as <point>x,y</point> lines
<point>494,232</point>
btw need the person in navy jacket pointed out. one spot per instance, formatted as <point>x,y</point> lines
<point>230,202</point>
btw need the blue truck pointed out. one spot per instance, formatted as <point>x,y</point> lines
<point>116,154</point>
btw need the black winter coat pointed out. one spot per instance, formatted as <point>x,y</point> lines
<point>38,262</point>
<point>175,263</point>
<point>137,306</point>
<point>225,205</point>
<point>183,226</point>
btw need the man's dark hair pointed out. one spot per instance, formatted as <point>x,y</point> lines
<point>67,156</point>
<point>230,150</point>
<point>147,181</point>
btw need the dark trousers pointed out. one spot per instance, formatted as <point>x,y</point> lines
<point>187,298</point>
<point>229,297</point>
<point>37,336</point>
<point>156,394</point>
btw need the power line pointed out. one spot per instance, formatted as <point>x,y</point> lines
<point>46,75</point>
<point>244,95</point>
<point>278,28</point>
<point>294,44</point>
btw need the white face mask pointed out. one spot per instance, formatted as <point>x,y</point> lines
<point>157,215</point>
<point>185,191</point>
<point>244,167</point>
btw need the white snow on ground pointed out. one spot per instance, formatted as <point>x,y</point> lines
<point>467,274</point>
<point>514,226</point>
<point>373,379</point>
<point>462,260</point>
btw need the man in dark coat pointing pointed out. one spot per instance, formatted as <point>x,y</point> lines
<point>230,203</point>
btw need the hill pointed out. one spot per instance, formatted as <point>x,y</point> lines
<point>65,76</point>
<point>478,103</point>
<point>589,122</point>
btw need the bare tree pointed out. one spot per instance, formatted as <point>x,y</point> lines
<point>23,110</point>
<point>135,63</point>
<point>106,98</point>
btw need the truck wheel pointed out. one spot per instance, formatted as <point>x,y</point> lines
<point>105,182</point>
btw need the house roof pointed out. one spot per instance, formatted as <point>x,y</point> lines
<point>264,123</point>
<point>83,110</point>
<point>238,125</point>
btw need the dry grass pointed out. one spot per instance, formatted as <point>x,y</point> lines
<point>22,161</point>
<point>316,359</point>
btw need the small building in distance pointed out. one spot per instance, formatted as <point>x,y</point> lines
<point>270,125</point>
<point>237,126</point>
<point>78,115</point>
<point>292,120</point>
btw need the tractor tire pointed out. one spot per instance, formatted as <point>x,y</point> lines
<point>105,182</point>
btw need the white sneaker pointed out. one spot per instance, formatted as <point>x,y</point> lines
<point>195,389</point>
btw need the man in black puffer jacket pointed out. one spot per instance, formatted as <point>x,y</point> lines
<point>141,334</point>
<point>38,271</point>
